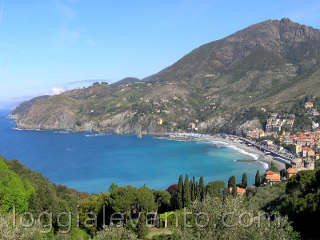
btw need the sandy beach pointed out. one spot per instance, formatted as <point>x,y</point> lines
<point>253,153</point>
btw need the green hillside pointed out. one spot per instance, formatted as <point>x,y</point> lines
<point>24,190</point>
<point>29,191</point>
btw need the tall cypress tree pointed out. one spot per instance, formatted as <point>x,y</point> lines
<point>190,189</point>
<point>201,189</point>
<point>180,192</point>
<point>196,191</point>
<point>244,180</point>
<point>186,192</point>
<point>231,181</point>
<point>193,193</point>
<point>232,184</point>
<point>257,182</point>
<point>234,190</point>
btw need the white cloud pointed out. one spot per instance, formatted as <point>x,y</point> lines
<point>56,91</point>
<point>91,43</point>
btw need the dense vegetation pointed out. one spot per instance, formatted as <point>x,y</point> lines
<point>302,202</point>
<point>298,199</point>
<point>23,190</point>
<point>304,117</point>
<point>13,190</point>
<point>240,224</point>
<point>96,216</point>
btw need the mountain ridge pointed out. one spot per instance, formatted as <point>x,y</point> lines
<point>240,36</point>
<point>265,65</point>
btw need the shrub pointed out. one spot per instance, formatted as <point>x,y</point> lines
<point>10,232</point>
<point>115,233</point>
<point>216,227</point>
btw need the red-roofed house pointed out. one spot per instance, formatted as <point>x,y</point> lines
<point>303,140</point>
<point>307,152</point>
<point>291,172</point>
<point>240,191</point>
<point>272,177</point>
<point>269,172</point>
<point>256,133</point>
<point>315,113</point>
<point>308,105</point>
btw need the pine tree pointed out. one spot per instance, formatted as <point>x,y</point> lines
<point>257,179</point>
<point>201,189</point>
<point>244,180</point>
<point>180,192</point>
<point>186,192</point>
<point>142,229</point>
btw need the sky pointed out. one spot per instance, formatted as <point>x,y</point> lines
<point>47,46</point>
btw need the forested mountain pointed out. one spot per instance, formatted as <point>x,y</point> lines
<point>269,64</point>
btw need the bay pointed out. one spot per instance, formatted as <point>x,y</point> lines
<point>91,163</point>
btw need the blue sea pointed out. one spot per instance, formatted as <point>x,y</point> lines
<point>91,163</point>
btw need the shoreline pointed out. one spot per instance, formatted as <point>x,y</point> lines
<point>256,155</point>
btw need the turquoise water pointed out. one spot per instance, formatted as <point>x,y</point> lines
<point>91,163</point>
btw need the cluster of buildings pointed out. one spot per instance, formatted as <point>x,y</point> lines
<point>256,133</point>
<point>307,149</point>
<point>305,146</point>
<point>276,124</point>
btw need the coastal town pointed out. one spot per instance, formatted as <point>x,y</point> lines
<point>278,144</point>
<point>303,148</point>
<point>298,150</point>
